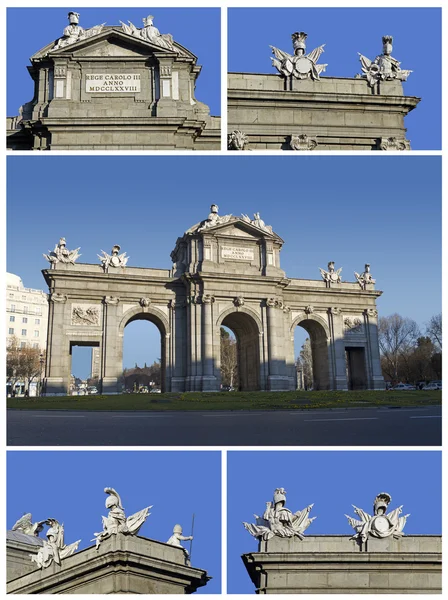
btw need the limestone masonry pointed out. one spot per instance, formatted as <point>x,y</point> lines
<point>114,87</point>
<point>226,272</point>
<point>300,109</point>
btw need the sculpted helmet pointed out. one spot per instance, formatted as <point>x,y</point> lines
<point>280,496</point>
<point>381,503</point>
<point>298,40</point>
<point>177,529</point>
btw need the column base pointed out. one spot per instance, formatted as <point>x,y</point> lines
<point>278,383</point>
<point>55,386</point>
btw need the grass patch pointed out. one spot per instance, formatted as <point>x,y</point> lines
<point>231,401</point>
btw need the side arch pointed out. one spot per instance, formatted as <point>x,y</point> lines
<point>303,317</point>
<point>239,309</point>
<point>320,339</point>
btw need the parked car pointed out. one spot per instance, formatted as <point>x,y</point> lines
<point>403,387</point>
<point>433,386</point>
<point>92,389</point>
<point>155,391</point>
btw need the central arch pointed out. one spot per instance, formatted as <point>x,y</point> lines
<point>159,320</point>
<point>247,329</point>
<point>319,335</point>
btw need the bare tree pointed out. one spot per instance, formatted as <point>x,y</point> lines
<point>23,363</point>
<point>305,362</point>
<point>397,335</point>
<point>434,331</point>
<point>229,359</point>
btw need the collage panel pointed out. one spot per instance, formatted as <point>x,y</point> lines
<point>109,79</point>
<point>198,325</point>
<point>155,535</point>
<point>338,83</point>
<point>353,522</point>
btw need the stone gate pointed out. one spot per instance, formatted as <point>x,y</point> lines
<point>226,272</point>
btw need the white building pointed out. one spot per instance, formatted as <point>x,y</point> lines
<point>26,313</point>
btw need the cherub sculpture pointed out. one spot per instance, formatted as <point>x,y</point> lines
<point>384,67</point>
<point>331,276</point>
<point>177,538</point>
<point>279,521</point>
<point>62,254</point>
<point>54,548</point>
<point>380,525</point>
<point>114,259</point>
<point>25,525</point>
<point>299,65</point>
<point>116,521</point>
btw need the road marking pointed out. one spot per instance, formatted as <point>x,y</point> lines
<point>236,415</point>
<point>140,416</point>
<point>427,417</point>
<point>346,419</point>
<point>59,416</point>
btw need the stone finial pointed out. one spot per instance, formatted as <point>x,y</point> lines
<point>237,140</point>
<point>62,254</point>
<point>303,142</point>
<point>365,279</point>
<point>279,521</point>
<point>116,521</point>
<point>54,548</point>
<point>114,259</point>
<point>331,276</point>
<point>380,525</point>
<point>384,67</point>
<point>298,65</point>
<point>25,525</point>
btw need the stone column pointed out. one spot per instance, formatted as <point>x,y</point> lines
<point>179,345</point>
<point>208,378</point>
<point>277,379</point>
<point>57,370</point>
<point>112,351</point>
<point>371,323</point>
<point>337,352</point>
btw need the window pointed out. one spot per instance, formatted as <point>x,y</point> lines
<point>11,331</point>
<point>36,321</point>
<point>36,333</point>
<point>13,308</point>
<point>11,295</point>
<point>35,345</point>
<point>23,297</point>
<point>12,318</point>
<point>23,331</point>
<point>24,320</point>
<point>38,310</point>
<point>25,310</point>
<point>23,344</point>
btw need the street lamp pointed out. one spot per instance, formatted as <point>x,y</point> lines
<point>41,362</point>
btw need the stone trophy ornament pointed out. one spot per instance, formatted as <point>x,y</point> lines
<point>257,221</point>
<point>62,254</point>
<point>384,67</point>
<point>299,65</point>
<point>365,278</point>
<point>380,525</point>
<point>303,142</point>
<point>114,259</point>
<point>237,140</point>
<point>150,33</point>
<point>74,32</point>
<point>177,538</point>
<point>331,276</point>
<point>25,525</point>
<point>279,521</point>
<point>116,521</point>
<point>54,548</point>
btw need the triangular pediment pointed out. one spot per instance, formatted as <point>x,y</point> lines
<point>238,227</point>
<point>111,39</point>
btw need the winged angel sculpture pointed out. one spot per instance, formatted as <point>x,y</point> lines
<point>299,65</point>
<point>278,520</point>
<point>380,525</point>
<point>54,548</point>
<point>25,525</point>
<point>116,521</point>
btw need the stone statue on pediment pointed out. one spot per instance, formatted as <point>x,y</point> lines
<point>299,65</point>
<point>365,279</point>
<point>25,525</point>
<point>62,254</point>
<point>177,538</point>
<point>54,548</point>
<point>384,67</point>
<point>277,520</point>
<point>150,33</point>
<point>114,259</point>
<point>74,32</point>
<point>332,275</point>
<point>380,525</point>
<point>214,218</point>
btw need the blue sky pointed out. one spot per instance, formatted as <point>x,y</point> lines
<point>333,481</point>
<point>347,31</point>
<point>183,23</point>
<point>353,210</point>
<point>68,486</point>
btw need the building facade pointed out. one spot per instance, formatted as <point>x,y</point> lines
<point>226,272</point>
<point>26,314</point>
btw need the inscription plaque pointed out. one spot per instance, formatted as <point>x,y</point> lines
<point>237,253</point>
<point>112,82</point>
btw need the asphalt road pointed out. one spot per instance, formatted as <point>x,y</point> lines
<point>337,427</point>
